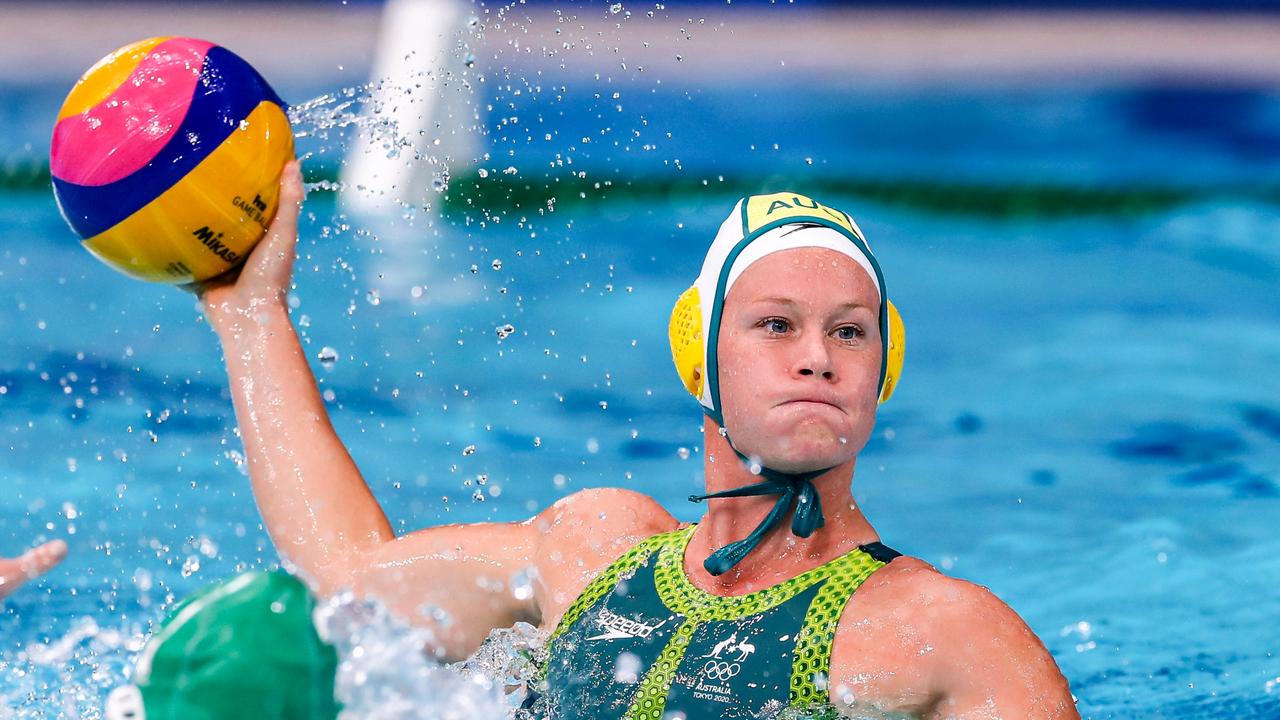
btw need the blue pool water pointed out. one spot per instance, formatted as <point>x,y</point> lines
<point>1088,423</point>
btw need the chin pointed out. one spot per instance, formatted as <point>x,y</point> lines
<point>792,445</point>
<point>799,466</point>
<point>808,453</point>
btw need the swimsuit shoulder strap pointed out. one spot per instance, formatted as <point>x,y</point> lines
<point>607,580</point>
<point>811,665</point>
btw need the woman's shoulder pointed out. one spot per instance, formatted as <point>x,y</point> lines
<point>909,626</point>
<point>583,533</point>
<point>599,513</point>
<point>909,586</point>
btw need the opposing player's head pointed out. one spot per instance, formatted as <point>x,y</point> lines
<point>245,647</point>
<point>787,338</point>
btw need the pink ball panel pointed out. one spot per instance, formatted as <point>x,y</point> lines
<point>120,135</point>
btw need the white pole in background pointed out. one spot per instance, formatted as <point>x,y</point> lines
<point>420,122</point>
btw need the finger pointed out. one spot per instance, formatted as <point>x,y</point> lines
<point>279,237</point>
<point>284,228</point>
<point>200,287</point>
<point>40,560</point>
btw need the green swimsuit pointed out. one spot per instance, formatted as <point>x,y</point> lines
<point>642,643</point>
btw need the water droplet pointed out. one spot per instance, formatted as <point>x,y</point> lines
<point>373,297</point>
<point>482,172</point>
<point>208,547</point>
<point>469,450</point>
<point>808,161</point>
<point>683,453</point>
<point>626,668</point>
<point>469,60</point>
<point>477,496</point>
<point>505,331</point>
<point>328,357</point>
<point>615,8</point>
<point>521,585</point>
<point>496,264</point>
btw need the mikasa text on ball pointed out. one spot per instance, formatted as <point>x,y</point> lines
<point>166,159</point>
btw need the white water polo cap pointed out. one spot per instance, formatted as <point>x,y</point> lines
<point>761,225</point>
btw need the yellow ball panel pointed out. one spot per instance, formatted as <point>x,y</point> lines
<point>105,76</point>
<point>206,223</point>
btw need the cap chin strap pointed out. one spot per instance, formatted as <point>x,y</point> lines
<point>793,490</point>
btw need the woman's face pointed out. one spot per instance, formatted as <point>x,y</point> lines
<point>799,356</point>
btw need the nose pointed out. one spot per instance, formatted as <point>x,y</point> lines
<point>813,357</point>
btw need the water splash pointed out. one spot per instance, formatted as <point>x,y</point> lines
<point>71,673</point>
<point>385,671</point>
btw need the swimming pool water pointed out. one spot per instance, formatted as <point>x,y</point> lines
<point>1088,423</point>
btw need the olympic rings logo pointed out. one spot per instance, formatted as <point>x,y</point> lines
<point>720,671</point>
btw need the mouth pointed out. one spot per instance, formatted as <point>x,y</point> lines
<point>810,401</point>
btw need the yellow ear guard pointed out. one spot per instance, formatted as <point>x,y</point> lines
<point>685,334</point>
<point>894,352</point>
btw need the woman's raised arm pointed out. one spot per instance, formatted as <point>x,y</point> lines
<point>314,502</point>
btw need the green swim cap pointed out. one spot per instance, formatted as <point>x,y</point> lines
<point>245,647</point>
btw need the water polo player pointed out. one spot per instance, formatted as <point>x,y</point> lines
<point>781,596</point>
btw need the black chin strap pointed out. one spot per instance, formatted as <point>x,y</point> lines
<point>793,490</point>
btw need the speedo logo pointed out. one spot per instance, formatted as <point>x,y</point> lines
<point>617,627</point>
<point>213,241</point>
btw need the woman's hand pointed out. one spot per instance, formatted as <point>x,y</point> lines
<point>264,277</point>
<point>33,563</point>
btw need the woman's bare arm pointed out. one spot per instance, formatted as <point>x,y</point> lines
<point>989,664</point>
<point>459,580</point>
<point>32,563</point>
<point>314,502</point>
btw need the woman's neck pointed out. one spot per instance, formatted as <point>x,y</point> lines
<point>780,555</point>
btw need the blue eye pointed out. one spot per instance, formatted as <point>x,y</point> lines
<point>776,325</point>
<point>848,332</point>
